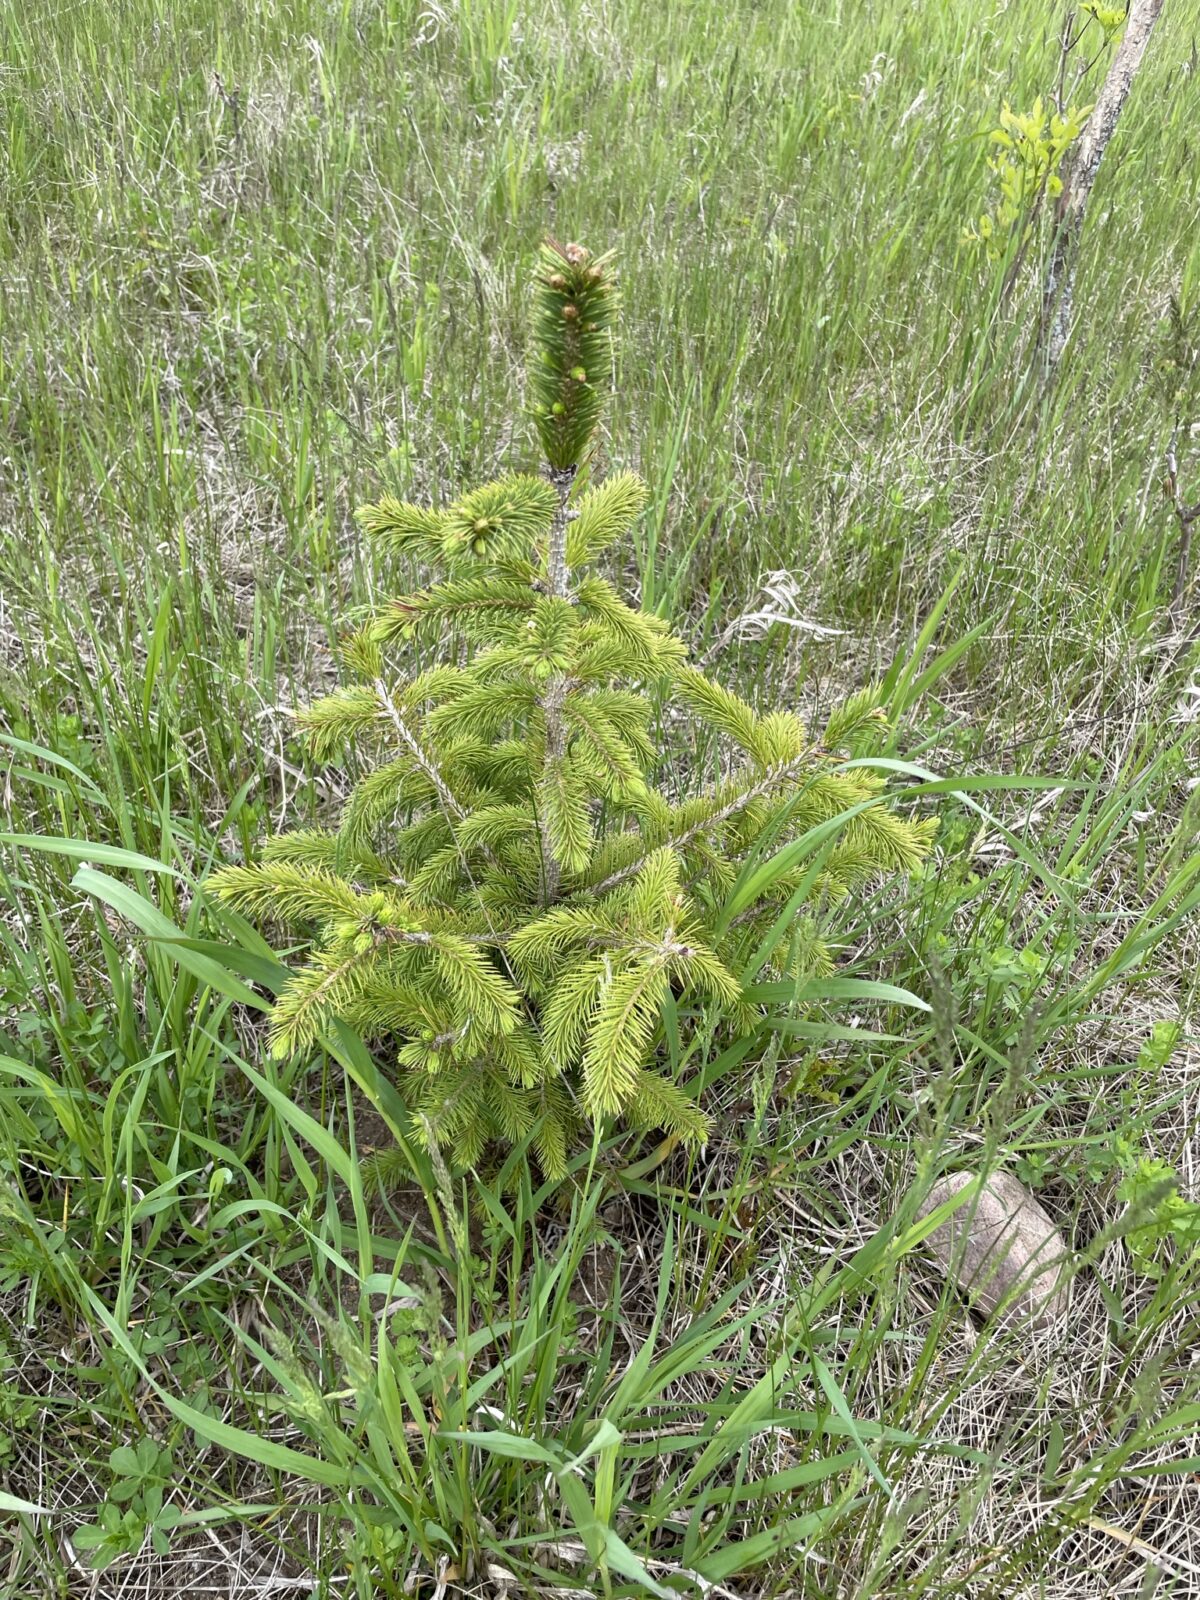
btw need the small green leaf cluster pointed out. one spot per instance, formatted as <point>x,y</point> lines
<point>137,1504</point>
<point>511,896</point>
<point>1163,1217</point>
<point>1110,19</point>
<point>1028,150</point>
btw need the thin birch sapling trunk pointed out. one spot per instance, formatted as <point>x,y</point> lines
<point>1059,292</point>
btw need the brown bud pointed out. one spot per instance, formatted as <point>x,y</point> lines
<point>575,254</point>
<point>557,281</point>
<point>570,313</point>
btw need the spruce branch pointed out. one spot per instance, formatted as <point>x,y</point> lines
<point>574,307</point>
<point>777,778</point>
<point>450,804</point>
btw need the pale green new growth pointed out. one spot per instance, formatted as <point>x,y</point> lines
<point>509,897</point>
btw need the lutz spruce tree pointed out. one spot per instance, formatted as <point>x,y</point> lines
<point>509,896</point>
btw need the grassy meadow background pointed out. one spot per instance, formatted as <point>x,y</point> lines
<point>258,260</point>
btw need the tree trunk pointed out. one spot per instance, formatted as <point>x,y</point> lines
<point>552,701</point>
<point>1058,296</point>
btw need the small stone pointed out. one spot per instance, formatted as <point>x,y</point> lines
<point>1001,1248</point>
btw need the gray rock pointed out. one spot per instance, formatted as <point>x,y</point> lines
<point>1001,1249</point>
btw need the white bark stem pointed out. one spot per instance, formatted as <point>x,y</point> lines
<point>1058,296</point>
